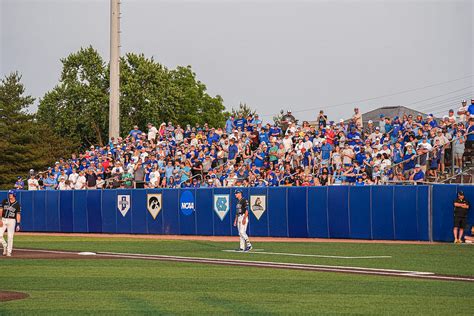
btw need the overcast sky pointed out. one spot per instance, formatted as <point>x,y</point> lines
<point>303,55</point>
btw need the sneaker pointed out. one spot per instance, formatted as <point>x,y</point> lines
<point>248,248</point>
<point>9,254</point>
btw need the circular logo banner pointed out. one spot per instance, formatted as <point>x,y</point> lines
<point>186,203</point>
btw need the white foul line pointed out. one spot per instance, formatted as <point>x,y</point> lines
<point>297,266</point>
<point>308,255</point>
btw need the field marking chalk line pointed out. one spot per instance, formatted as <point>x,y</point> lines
<point>280,265</point>
<point>310,255</point>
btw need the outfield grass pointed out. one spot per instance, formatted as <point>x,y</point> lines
<point>139,286</point>
<point>437,258</point>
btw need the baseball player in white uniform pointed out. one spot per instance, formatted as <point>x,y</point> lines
<point>10,211</point>
<point>242,221</point>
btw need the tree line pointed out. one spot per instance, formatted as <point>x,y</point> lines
<point>74,114</point>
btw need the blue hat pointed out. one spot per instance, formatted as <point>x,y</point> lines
<point>13,192</point>
<point>238,191</point>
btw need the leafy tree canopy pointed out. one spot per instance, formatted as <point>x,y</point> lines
<point>25,143</point>
<point>243,110</point>
<point>77,107</point>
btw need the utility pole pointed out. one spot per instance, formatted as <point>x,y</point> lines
<point>114,97</point>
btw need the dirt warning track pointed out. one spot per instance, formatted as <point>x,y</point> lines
<point>59,254</point>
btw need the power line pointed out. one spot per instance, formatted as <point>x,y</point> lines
<point>438,96</point>
<point>450,100</point>
<point>380,97</point>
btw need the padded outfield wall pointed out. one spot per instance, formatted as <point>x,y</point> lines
<point>371,212</point>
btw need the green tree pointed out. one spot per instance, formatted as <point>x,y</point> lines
<point>25,143</point>
<point>77,107</point>
<point>277,118</point>
<point>243,111</point>
<point>146,92</point>
<point>192,103</point>
<point>149,92</point>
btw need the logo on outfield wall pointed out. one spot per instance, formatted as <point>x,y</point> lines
<point>221,205</point>
<point>153,204</point>
<point>258,205</point>
<point>186,202</point>
<point>123,204</point>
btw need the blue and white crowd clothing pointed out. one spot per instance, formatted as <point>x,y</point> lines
<point>247,152</point>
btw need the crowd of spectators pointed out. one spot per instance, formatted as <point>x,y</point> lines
<point>249,153</point>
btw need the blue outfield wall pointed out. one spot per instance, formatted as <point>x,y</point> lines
<point>372,212</point>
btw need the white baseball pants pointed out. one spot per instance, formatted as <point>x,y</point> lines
<point>9,224</point>
<point>244,238</point>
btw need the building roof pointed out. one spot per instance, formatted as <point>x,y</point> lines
<point>386,111</point>
<point>391,112</point>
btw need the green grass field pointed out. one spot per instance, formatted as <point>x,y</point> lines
<point>131,286</point>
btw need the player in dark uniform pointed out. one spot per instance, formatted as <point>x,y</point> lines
<point>10,211</point>
<point>461,208</point>
<point>242,220</point>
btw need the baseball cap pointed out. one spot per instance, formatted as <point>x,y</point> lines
<point>238,191</point>
<point>417,166</point>
<point>461,193</point>
<point>12,192</point>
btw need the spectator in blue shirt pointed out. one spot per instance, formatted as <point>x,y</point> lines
<point>50,182</point>
<point>135,132</point>
<point>229,125</point>
<point>418,176</point>
<point>233,150</point>
<point>470,109</point>
<point>19,184</point>
<point>325,152</point>
<point>240,123</point>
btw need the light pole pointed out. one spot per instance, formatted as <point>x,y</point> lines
<point>114,97</point>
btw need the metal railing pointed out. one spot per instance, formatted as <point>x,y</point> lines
<point>416,156</point>
<point>463,173</point>
<point>287,176</point>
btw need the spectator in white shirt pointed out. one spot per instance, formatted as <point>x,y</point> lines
<point>462,111</point>
<point>62,185</point>
<point>154,178</point>
<point>80,182</point>
<point>73,177</point>
<point>288,142</point>
<point>307,143</point>
<point>100,182</point>
<point>33,184</point>
<point>152,131</point>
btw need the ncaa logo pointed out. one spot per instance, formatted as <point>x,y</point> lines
<point>123,204</point>
<point>221,205</point>
<point>186,203</point>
